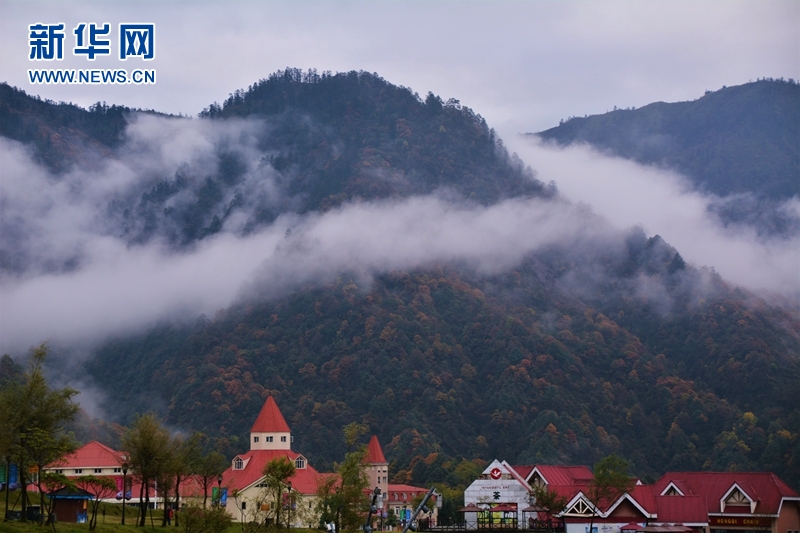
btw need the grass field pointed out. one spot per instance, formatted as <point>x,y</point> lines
<point>111,523</point>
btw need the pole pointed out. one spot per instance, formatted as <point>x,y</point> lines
<point>368,525</point>
<point>8,480</point>
<point>124,486</point>
<point>420,507</point>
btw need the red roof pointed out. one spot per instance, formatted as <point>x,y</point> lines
<point>92,454</point>
<point>374,452</point>
<point>763,487</point>
<point>523,470</point>
<point>270,419</point>
<point>682,509</point>
<point>564,475</point>
<point>305,480</point>
<point>400,487</point>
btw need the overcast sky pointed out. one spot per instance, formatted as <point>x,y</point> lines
<point>522,65</point>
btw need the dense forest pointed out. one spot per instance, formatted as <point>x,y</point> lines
<point>579,351</point>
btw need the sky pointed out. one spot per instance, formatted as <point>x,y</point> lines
<point>523,66</point>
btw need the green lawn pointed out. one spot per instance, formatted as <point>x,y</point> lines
<point>108,527</point>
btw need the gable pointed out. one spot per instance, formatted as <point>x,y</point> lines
<point>737,498</point>
<point>579,507</point>
<point>627,509</point>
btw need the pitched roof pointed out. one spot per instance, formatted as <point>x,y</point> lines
<point>523,470</point>
<point>374,452</point>
<point>92,454</point>
<point>305,480</point>
<point>763,487</point>
<point>270,419</point>
<point>682,509</point>
<point>401,487</point>
<point>564,475</point>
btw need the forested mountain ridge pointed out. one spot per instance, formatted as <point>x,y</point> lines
<point>61,133</point>
<point>296,142</point>
<point>447,365</point>
<point>582,348</point>
<point>739,143</point>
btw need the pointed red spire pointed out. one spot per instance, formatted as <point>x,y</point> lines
<point>270,419</point>
<point>374,452</point>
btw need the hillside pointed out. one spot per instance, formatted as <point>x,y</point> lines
<point>740,143</point>
<point>587,342</point>
<point>309,143</point>
<point>455,364</point>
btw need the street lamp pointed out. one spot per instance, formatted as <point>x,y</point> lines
<point>219,490</point>
<point>372,508</point>
<point>124,486</point>
<point>380,507</point>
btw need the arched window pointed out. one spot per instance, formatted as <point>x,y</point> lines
<point>238,464</point>
<point>299,463</point>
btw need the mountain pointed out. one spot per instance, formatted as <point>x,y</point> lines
<point>305,142</point>
<point>589,342</point>
<point>739,143</point>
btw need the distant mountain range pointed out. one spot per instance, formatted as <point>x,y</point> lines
<point>739,143</point>
<point>597,344</point>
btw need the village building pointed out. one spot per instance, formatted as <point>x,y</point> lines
<point>703,502</point>
<point>97,459</point>
<point>243,481</point>
<point>395,497</point>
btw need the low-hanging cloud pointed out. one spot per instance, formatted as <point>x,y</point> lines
<point>81,281</point>
<point>72,277</point>
<point>664,203</point>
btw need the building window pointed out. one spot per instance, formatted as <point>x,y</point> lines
<point>79,470</point>
<point>238,464</point>
<point>244,506</point>
<point>117,470</point>
<point>255,439</point>
<point>98,470</point>
<point>61,472</point>
<point>269,439</point>
<point>404,496</point>
<point>283,439</point>
<point>299,463</point>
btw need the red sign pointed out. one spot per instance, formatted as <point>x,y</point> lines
<point>496,473</point>
<point>754,521</point>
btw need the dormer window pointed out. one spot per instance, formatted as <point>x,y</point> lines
<point>299,463</point>
<point>238,464</point>
<point>737,498</point>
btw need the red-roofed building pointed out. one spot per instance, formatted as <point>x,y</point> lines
<point>399,498</point>
<point>270,438</point>
<point>377,467</point>
<point>95,458</point>
<point>707,502</point>
<point>735,501</point>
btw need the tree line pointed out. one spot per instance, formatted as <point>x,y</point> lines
<point>33,438</point>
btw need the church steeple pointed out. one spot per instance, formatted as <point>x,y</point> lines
<point>270,430</point>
